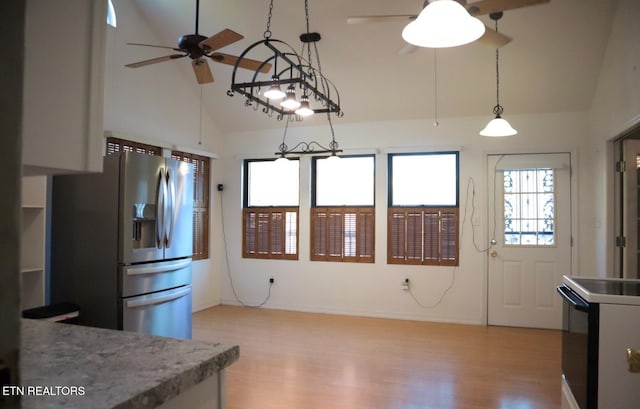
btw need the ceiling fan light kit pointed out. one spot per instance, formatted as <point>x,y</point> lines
<point>442,24</point>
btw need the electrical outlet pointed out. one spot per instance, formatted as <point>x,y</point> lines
<point>272,280</point>
<point>405,284</point>
<point>220,187</point>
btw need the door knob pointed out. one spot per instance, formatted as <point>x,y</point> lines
<point>494,253</point>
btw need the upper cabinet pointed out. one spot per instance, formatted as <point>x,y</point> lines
<point>63,86</point>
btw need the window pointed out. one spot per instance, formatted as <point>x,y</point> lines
<point>111,15</point>
<point>200,189</point>
<point>201,196</point>
<point>343,213</point>
<point>423,214</point>
<point>270,213</point>
<point>529,203</point>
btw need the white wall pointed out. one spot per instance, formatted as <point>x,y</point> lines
<point>615,109</point>
<point>161,104</point>
<point>374,289</point>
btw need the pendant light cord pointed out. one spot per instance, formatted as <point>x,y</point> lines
<point>435,86</point>
<point>497,110</point>
<point>497,71</point>
<point>200,119</point>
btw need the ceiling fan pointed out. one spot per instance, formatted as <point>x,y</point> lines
<point>474,7</point>
<point>196,47</point>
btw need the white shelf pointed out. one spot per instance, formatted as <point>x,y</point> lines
<point>32,245</point>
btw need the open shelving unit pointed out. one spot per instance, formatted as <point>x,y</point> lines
<point>33,263</point>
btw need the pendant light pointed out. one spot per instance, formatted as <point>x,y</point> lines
<point>498,126</point>
<point>304,109</point>
<point>441,24</point>
<point>290,102</point>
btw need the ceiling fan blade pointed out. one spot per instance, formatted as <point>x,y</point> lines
<point>156,46</point>
<point>155,60</point>
<point>246,63</point>
<point>480,7</point>
<point>202,71</point>
<point>494,38</point>
<point>221,39</point>
<point>381,19</point>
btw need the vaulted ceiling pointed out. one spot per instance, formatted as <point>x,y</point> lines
<point>552,64</point>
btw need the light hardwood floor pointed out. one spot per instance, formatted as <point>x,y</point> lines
<point>294,360</point>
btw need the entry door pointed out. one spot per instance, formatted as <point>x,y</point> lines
<point>531,219</point>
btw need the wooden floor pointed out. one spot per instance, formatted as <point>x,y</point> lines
<point>293,360</point>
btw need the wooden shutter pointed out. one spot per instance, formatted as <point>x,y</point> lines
<point>449,248</point>
<point>201,195</point>
<point>397,234</point>
<point>249,246</point>
<point>366,235</point>
<point>431,236</point>
<point>270,233</point>
<point>343,234</point>
<point>115,145</point>
<point>423,236</point>
<point>319,234</point>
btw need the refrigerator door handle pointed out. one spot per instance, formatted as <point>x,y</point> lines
<point>171,217</point>
<point>160,209</point>
<point>160,299</point>
<point>166,267</point>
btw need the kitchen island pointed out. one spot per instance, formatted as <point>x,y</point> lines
<point>71,366</point>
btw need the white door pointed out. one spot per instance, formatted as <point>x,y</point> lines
<point>530,224</point>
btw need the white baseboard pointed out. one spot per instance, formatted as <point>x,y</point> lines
<point>370,314</point>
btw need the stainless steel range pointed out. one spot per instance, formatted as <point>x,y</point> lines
<point>600,342</point>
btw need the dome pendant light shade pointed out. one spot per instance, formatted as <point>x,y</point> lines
<point>274,92</point>
<point>443,23</point>
<point>498,127</point>
<point>304,109</point>
<point>290,102</point>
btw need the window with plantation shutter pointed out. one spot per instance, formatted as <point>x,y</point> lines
<point>201,196</point>
<point>423,214</point>
<point>342,234</point>
<point>270,233</point>
<point>423,236</point>
<point>343,212</point>
<point>270,211</point>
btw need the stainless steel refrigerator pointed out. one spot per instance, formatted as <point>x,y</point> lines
<point>121,244</point>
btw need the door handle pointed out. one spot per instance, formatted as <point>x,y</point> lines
<point>160,299</point>
<point>494,253</point>
<point>166,267</point>
<point>160,209</point>
<point>170,225</point>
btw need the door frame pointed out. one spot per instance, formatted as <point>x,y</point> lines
<point>489,198</point>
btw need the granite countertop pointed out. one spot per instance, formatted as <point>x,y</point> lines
<point>71,366</point>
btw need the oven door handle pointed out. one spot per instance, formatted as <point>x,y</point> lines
<point>573,299</point>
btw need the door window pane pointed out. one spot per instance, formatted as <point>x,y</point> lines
<point>529,207</point>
